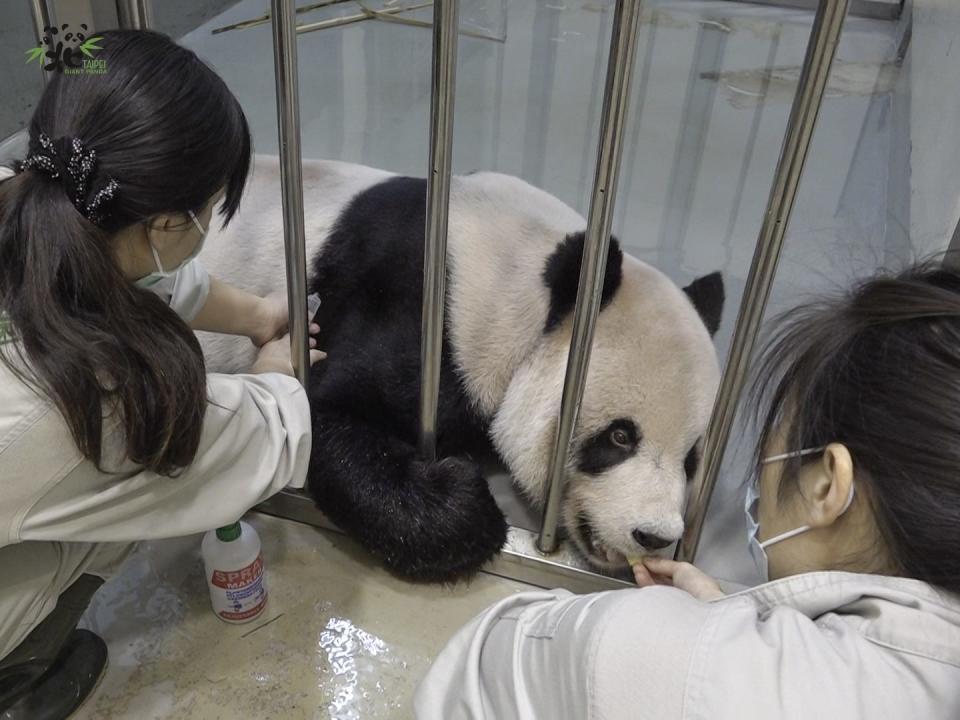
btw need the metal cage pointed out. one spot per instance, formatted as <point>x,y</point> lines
<point>528,557</point>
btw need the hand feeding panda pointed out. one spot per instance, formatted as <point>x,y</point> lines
<point>513,262</point>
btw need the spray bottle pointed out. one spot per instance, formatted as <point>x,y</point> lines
<point>234,569</point>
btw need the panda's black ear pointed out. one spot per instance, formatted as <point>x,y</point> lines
<point>562,275</point>
<point>707,295</point>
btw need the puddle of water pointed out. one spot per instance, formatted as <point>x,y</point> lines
<point>359,675</point>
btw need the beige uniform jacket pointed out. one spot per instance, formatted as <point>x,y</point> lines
<point>60,516</point>
<point>830,646</point>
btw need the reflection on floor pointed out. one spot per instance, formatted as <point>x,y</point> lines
<point>339,639</point>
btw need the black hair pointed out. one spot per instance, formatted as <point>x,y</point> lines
<point>167,129</point>
<point>878,369</point>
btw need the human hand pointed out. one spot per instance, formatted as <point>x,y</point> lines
<point>272,320</point>
<point>274,356</point>
<point>662,571</point>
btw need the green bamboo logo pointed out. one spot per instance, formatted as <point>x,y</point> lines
<point>71,54</point>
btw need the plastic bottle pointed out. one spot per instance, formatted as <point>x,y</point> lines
<point>234,569</point>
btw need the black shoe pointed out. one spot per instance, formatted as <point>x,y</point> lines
<point>59,691</point>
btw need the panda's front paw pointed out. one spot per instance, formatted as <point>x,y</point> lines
<point>453,524</point>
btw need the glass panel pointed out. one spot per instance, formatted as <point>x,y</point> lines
<point>852,213</point>
<point>712,90</point>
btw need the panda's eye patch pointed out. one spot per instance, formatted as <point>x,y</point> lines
<point>609,447</point>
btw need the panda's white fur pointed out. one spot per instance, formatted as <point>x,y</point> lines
<point>653,360</point>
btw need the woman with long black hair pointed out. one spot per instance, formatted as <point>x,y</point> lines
<point>111,431</point>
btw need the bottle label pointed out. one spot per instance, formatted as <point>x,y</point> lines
<point>239,594</point>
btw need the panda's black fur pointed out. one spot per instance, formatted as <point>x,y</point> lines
<point>427,521</point>
<point>435,521</point>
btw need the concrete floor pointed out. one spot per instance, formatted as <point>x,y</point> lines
<point>339,638</point>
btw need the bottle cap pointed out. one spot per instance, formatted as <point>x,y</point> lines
<point>228,533</point>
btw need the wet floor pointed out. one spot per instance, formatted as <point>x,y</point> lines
<point>339,638</point>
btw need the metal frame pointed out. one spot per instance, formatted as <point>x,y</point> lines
<point>513,562</point>
<point>444,72</point>
<point>41,19</point>
<point>522,565</point>
<point>869,9</point>
<point>951,258</point>
<point>135,14</point>
<point>291,180</point>
<point>616,96</point>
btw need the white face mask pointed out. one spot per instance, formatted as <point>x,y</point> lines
<point>148,281</point>
<point>752,509</point>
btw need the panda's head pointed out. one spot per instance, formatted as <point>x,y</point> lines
<point>650,388</point>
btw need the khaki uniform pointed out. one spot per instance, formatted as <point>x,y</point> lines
<point>820,645</point>
<point>61,517</point>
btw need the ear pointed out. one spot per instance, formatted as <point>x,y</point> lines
<point>830,489</point>
<point>707,295</point>
<point>562,276</point>
<point>165,230</point>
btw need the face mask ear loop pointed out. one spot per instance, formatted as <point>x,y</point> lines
<point>197,223</point>
<point>787,455</point>
<point>156,256</point>
<point>784,536</point>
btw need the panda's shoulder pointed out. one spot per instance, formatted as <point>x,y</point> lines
<point>486,191</point>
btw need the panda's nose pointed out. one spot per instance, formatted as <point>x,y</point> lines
<point>648,541</point>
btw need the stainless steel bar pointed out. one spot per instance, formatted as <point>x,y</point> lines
<point>870,9</point>
<point>616,97</point>
<point>291,179</point>
<point>265,18</point>
<point>951,258</point>
<point>438,205</point>
<point>359,17</point>
<point>824,37</point>
<point>135,14</point>
<point>41,20</point>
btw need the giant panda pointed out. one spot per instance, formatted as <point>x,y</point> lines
<point>513,263</point>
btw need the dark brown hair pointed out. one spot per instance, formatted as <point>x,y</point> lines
<point>168,130</point>
<point>878,369</point>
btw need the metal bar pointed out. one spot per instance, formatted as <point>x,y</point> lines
<point>438,206</point>
<point>41,20</point>
<point>596,245</point>
<point>870,9</point>
<point>359,17</point>
<point>265,18</point>
<point>951,258</point>
<point>512,562</point>
<point>389,16</point>
<point>821,49</point>
<point>291,180</point>
<point>134,14</point>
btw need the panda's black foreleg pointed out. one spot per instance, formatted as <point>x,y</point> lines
<point>426,521</point>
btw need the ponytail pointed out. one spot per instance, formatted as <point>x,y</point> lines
<point>86,338</point>
<point>158,132</point>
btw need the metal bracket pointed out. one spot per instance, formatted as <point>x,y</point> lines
<point>517,561</point>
